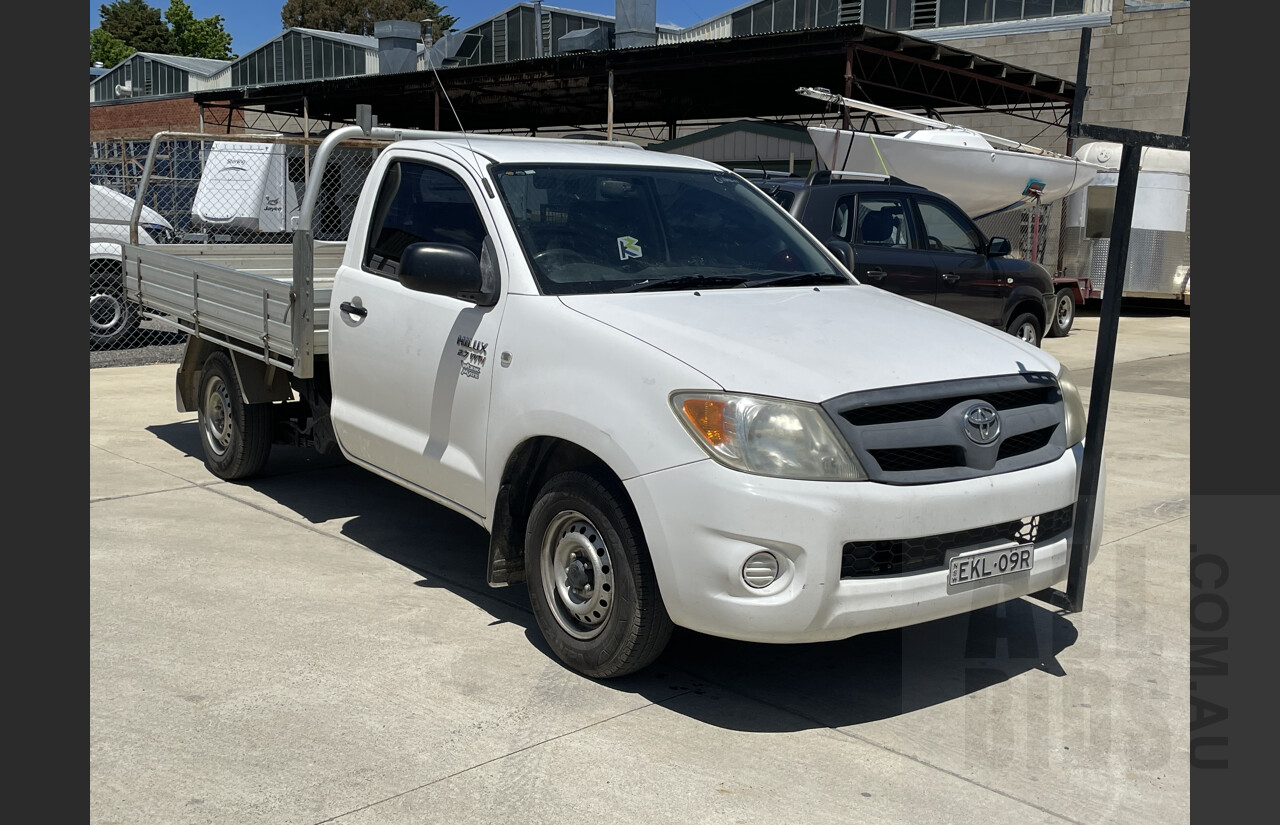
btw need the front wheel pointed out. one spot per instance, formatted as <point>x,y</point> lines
<point>591,583</point>
<point>1027,327</point>
<point>1064,313</point>
<point>236,436</point>
<point>112,318</point>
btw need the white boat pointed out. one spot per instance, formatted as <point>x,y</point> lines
<point>963,164</point>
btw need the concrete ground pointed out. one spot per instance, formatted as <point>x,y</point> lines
<point>318,645</point>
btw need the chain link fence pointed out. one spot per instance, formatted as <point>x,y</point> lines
<point>1034,232</point>
<point>214,190</point>
<point>217,190</point>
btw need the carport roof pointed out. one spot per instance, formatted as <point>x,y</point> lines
<point>702,81</point>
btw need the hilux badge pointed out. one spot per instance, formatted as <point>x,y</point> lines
<point>981,423</point>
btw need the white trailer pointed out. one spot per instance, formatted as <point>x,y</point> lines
<point>1159,263</point>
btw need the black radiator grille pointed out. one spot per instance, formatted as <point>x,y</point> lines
<point>953,430</point>
<point>1025,443</point>
<point>932,408</point>
<point>891,557</point>
<point>918,458</point>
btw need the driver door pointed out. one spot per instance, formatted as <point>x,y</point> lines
<point>968,283</point>
<point>412,372</point>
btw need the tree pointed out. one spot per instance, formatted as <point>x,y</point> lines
<point>137,25</point>
<point>197,38</point>
<point>358,16</point>
<point>129,26</point>
<point>106,48</point>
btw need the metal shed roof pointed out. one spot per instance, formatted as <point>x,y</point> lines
<point>362,40</point>
<point>202,66</point>
<point>700,81</point>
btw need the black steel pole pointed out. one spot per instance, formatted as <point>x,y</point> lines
<point>1103,362</point>
<point>1186,112</point>
<point>1082,88</point>
<point>1073,130</point>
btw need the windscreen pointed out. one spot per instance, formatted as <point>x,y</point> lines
<point>591,229</point>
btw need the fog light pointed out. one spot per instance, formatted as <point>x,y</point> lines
<point>761,570</point>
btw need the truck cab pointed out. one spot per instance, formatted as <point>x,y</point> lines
<point>665,399</point>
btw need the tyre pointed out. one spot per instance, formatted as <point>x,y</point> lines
<point>236,436</point>
<point>1027,327</point>
<point>112,319</point>
<point>1064,314</point>
<point>591,582</point>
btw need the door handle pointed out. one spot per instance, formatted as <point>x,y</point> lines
<point>950,277</point>
<point>347,306</point>
<point>875,274</point>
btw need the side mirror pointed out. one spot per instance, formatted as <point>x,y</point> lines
<point>998,247</point>
<point>443,269</point>
<point>843,252</point>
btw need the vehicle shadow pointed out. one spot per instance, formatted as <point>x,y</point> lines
<point>284,460</point>
<point>875,676</point>
<point>829,684</point>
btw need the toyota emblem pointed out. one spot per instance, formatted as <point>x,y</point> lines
<point>982,423</point>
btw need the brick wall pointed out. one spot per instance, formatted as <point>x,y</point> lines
<point>141,119</point>
<point>1139,71</point>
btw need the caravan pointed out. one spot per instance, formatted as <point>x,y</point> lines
<point>246,188</point>
<point>1159,262</point>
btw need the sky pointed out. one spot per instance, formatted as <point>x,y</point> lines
<point>253,22</point>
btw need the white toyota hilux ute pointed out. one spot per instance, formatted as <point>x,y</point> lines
<point>666,401</point>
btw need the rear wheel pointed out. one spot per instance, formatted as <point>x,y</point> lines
<point>1027,327</point>
<point>1064,313</point>
<point>591,583</point>
<point>236,436</point>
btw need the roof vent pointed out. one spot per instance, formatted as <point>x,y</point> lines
<point>585,40</point>
<point>637,23</point>
<point>397,45</point>
<point>453,48</point>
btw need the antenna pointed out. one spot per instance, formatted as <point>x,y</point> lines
<point>463,129</point>
<point>440,84</point>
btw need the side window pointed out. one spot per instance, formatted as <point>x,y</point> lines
<point>420,203</point>
<point>948,231</point>
<point>882,221</point>
<point>841,225</point>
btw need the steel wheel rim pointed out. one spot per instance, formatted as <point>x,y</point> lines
<point>1064,309</point>
<point>577,575</point>
<point>1027,333</point>
<point>217,417</point>
<point>105,312</point>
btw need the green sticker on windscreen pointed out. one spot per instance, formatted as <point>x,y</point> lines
<point>629,247</point>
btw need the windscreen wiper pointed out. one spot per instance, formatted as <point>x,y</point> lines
<point>684,282</point>
<point>799,279</point>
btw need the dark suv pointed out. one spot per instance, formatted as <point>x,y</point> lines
<point>919,244</point>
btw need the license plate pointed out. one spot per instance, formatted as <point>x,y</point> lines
<point>991,564</point>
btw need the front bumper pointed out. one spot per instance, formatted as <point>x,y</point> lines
<point>703,521</point>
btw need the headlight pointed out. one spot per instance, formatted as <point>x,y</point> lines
<point>1074,407</point>
<point>767,436</point>
<point>158,232</point>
